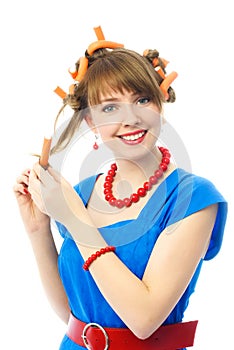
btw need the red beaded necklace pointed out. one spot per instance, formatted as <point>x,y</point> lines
<point>141,192</point>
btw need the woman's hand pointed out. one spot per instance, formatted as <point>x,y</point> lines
<point>55,197</point>
<point>37,224</point>
<point>33,219</point>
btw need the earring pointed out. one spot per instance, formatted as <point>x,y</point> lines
<point>95,146</point>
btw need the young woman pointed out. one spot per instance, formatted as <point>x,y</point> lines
<point>135,238</point>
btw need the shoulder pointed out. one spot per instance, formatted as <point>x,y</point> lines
<point>196,187</point>
<point>193,194</point>
<point>187,193</point>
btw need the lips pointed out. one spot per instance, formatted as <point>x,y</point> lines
<point>133,137</point>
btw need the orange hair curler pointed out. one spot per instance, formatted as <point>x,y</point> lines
<point>155,62</point>
<point>73,72</point>
<point>83,66</point>
<point>167,82</point>
<point>60,92</point>
<point>45,153</point>
<point>99,33</point>
<point>102,44</point>
<point>165,62</point>
<point>167,79</point>
<point>160,72</point>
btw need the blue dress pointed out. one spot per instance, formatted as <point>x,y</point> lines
<point>179,195</point>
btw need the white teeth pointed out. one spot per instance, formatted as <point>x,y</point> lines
<point>133,137</point>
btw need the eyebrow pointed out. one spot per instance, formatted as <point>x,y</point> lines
<point>115,99</point>
<point>111,99</point>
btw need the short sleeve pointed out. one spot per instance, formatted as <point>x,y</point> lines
<point>195,193</point>
<point>62,230</point>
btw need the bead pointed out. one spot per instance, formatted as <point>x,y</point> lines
<point>165,160</point>
<point>107,190</point>
<point>119,203</point>
<point>167,154</point>
<point>134,197</point>
<point>107,184</point>
<point>109,178</point>
<point>95,146</point>
<point>85,267</point>
<point>111,172</point>
<point>141,192</point>
<point>108,196</point>
<point>147,186</point>
<point>153,180</point>
<point>127,202</point>
<point>163,166</point>
<point>158,173</point>
<point>112,201</point>
<point>114,166</point>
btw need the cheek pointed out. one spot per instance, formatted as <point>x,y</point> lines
<point>154,121</point>
<point>107,131</point>
<point>158,126</point>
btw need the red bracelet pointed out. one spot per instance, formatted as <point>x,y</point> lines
<point>94,256</point>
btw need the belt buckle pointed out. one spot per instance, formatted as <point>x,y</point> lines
<point>93,324</point>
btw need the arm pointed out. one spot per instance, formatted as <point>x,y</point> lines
<point>142,304</point>
<point>37,226</point>
<point>46,256</point>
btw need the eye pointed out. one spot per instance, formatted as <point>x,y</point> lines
<point>143,100</point>
<point>109,108</point>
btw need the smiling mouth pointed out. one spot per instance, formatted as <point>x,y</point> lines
<point>133,137</point>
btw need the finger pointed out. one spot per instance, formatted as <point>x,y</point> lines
<point>43,174</point>
<point>40,174</point>
<point>40,185</point>
<point>33,175</point>
<point>22,179</point>
<point>36,198</point>
<point>35,183</point>
<point>48,174</point>
<point>37,168</point>
<point>55,174</point>
<point>26,172</point>
<point>20,189</point>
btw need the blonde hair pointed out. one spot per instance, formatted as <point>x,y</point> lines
<point>112,70</point>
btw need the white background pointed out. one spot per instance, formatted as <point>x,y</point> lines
<point>39,42</point>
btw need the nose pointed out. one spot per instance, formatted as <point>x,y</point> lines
<point>130,116</point>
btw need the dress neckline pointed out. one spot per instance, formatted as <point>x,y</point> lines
<point>144,209</point>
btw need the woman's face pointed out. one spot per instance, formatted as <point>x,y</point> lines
<point>127,123</point>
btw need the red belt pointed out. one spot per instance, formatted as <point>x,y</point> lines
<point>95,337</point>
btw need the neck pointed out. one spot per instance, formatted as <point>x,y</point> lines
<point>138,170</point>
<point>135,174</point>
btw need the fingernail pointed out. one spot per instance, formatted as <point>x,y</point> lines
<point>25,191</point>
